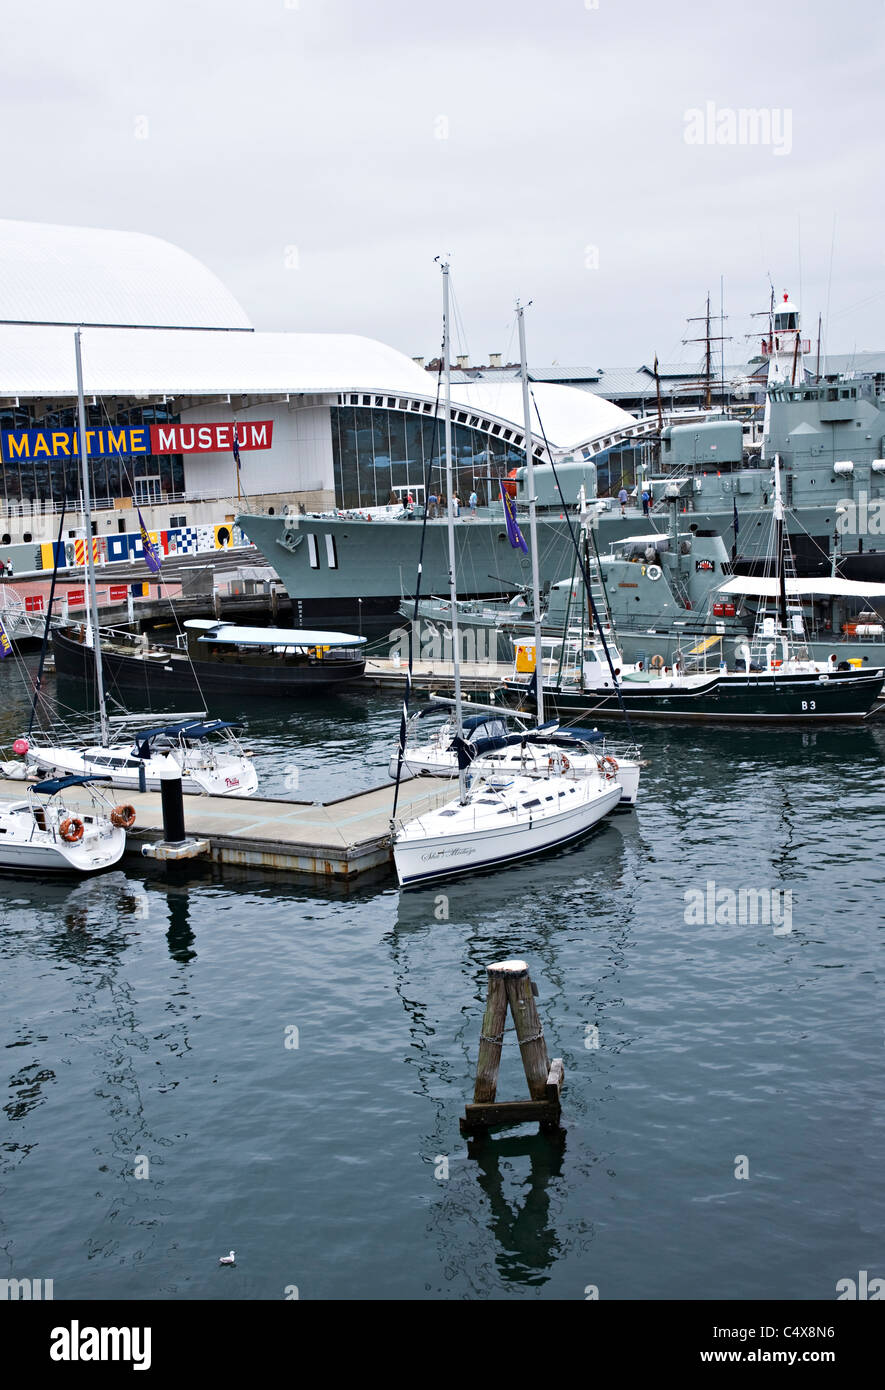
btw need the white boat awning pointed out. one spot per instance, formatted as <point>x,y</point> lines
<point>271,636</point>
<point>769,587</point>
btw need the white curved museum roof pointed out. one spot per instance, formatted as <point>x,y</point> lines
<point>85,275</point>
<point>151,316</point>
<point>38,360</point>
<point>569,416</point>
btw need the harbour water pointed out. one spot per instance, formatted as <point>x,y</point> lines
<point>722,1102</point>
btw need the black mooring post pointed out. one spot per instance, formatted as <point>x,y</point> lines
<point>142,777</point>
<point>173,810</point>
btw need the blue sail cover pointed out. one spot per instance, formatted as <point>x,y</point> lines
<point>60,784</point>
<point>196,730</point>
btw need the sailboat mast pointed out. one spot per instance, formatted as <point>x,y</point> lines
<point>533,520</point>
<point>450,522</point>
<point>779,540</point>
<point>90,560</point>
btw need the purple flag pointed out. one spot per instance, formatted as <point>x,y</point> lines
<point>151,554</point>
<point>236,446</point>
<point>514,535</point>
<point>5,644</point>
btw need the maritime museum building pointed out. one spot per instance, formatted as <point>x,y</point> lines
<point>177,381</point>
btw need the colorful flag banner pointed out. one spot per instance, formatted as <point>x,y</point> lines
<point>151,553</point>
<point>5,644</point>
<point>514,535</point>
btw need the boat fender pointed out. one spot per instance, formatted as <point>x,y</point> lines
<point>608,767</point>
<point>71,829</point>
<point>654,572</point>
<point>123,817</point>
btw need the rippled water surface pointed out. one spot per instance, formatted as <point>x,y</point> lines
<point>147,1017</point>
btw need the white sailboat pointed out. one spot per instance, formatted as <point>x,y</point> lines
<point>42,834</point>
<point>496,747</point>
<point>496,818</point>
<point>215,768</point>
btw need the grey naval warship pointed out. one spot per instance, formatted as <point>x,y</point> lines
<point>828,431</point>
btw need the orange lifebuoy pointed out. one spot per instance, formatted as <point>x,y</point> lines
<point>71,829</point>
<point>123,817</point>
<point>608,767</point>
<point>558,760</point>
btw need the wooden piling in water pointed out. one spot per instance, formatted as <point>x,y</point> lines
<point>510,986</point>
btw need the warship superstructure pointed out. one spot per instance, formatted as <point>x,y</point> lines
<point>829,433</point>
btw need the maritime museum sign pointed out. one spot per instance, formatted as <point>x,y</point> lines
<point>109,442</point>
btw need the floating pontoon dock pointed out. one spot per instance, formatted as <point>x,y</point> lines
<point>337,840</point>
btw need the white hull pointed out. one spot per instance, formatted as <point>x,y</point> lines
<point>230,777</point>
<point>25,848</point>
<point>480,835</point>
<point>429,760</point>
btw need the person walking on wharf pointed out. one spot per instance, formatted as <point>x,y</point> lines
<point>622,498</point>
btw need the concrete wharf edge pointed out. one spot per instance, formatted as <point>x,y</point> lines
<point>337,840</point>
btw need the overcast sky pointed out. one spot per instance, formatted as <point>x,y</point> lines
<point>317,154</point>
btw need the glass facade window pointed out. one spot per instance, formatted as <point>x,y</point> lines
<point>377,451</point>
<point>47,481</point>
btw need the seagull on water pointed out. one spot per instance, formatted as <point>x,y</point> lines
<point>227,1259</point>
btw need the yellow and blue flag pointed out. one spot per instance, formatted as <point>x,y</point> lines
<point>5,644</point>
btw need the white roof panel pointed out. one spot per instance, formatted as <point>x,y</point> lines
<point>38,360</point>
<point>570,416</point>
<point>85,275</point>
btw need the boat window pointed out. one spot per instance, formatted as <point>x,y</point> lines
<point>536,802</point>
<point>485,801</point>
<point>447,813</point>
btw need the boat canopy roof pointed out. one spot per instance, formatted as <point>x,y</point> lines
<point>200,729</point>
<point>769,587</point>
<point>59,784</point>
<point>655,538</point>
<point>271,636</point>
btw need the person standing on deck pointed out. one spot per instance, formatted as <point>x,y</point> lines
<point>622,498</point>
<point>472,503</point>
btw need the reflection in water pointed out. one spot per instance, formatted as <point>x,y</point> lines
<point>179,936</point>
<point>89,931</point>
<point>516,1235</point>
<point>527,1243</point>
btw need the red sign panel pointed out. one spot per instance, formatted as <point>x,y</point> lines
<point>76,597</point>
<point>211,439</point>
<point>117,593</point>
<point>34,603</point>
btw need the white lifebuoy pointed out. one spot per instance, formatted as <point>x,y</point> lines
<point>654,571</point>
